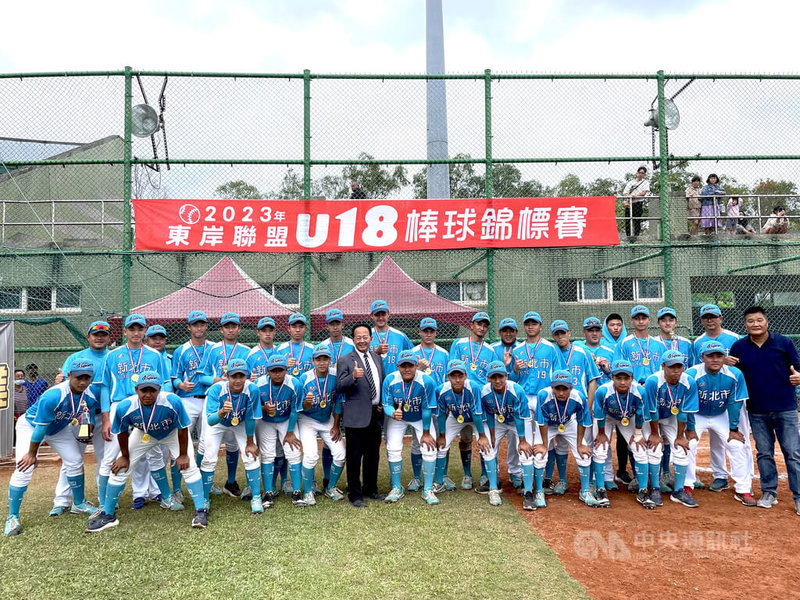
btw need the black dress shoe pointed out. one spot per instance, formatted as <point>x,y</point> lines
<point>377,496</point>
<point>358,503</point>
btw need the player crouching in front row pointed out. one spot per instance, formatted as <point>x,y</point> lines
<point>143,422</point>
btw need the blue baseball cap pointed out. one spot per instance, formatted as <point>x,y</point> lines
<point>135,319</point>
<point>710,309</point>
<point>196,316</point>
<point>149,379</point>
<point>99,327</point>
<point>481,316</point>
<point>667,311</point>
<point>428,323</point>
<point>297,318</point>
<point>334,314</point>
<point>508,322</point>
<point>321,350</point>
<point>558,325</point>
<point>561,377</point>
<point>155,330</point>
<point>532,315</point>
<point>81,367</point>
<point>265,322</point>
<point>456,365</point>
<point>229,317</point>
<point>379,306</point>
<point>672,357</point>
<point>711,347</point>
<point>496,367</point>
<point>407,356</point>
<point>621,366</point>
<point>277,361</point>
<point>640,309</point>
<point>236,365</point>
<point>592,323</point>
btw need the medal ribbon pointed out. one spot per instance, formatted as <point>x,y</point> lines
<point>72,403</point>
<point>339,354</point>
<point>152,414</point>
<point>235,411</point>
<point>130,358</point>
<point>562,418</point>
<point>407,397</point>
<point>433,353</point>
<point>321,390</point>
<point>672,401</point>
<point>627,403</point>
<point>502,401</point>
<point>461,401</point>
<point>199,357</point>
<point>225,354</point>
<point>266,358</point>
<point>474,359</point>
<point>279,390</point>
<point>528,349</point>
<point>671,343</point>
<point>382,340</point>
<point>645,353</point>
<point>571,350</point>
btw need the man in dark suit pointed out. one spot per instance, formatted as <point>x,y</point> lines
<point>360,379</point>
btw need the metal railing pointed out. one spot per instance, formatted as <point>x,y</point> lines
<point>52,222</point>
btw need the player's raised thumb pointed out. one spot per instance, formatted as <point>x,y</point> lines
<point>794,372</point>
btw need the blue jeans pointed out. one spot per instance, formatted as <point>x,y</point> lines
<point>766,427</point>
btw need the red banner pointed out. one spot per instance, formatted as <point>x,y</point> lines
<point>364,225</point>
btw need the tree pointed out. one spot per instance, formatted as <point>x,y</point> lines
<point>782,193</point>
<point>237,190</point>
<point>570,186</point>
<point>604,186</point>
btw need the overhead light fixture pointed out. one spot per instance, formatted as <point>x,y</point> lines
<point>672,116</point>
<point>144,120</point>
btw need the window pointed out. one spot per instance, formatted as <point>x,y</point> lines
<point>618,289</point>
<point>60,299</point>
<point>463,292</point>
<point>285,293</point>
<point>594,290</point>
<point>649,290</point>
<point>721,299</point>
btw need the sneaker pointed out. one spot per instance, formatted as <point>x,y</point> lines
<point>309,499</point>
<point>449,484</point>
<point>483,488</point>
<point>683,497</point>
<point>57,511</point>
<point>560,488</point>
<point>414,485</point>
<point>623,477</point>
<point>483,479</point>
<point>539,499</point>
<point>643,498</point>
<point>516,481</point>
<point>528,502</point>
<point>101,522</point>
<point>334,494</point>
<point>588,498</point>
<point>138,503</point>
<point>429,497</point>
<point>699,485</point>
<point>466,483</point>
<point>215,490</point>
<point>297,499</point>
<point>767,500</point>
<point>287,488</point>
<point>247,493</point>
<point>602,498</point>
<point>665,483</point>
<point>438,488</point>
<point>718,485</point>
<point>13,526</point>
<point>200,520</point>
<point>394,495</point>
<point>494,498</point>
<point>746,499</point>
<point>267,500</point>
<point>611,486</point>
<point>84,508</point>
<point>593,488</point>
<point>315,489</point>
<point>633,486</point>
<point>178,495</point>
<point>171,503</point>
<point>157,498</point>
<point>547,486</point>
<point>233,490</point>
<point>797,506</point>
<point>655,496</point>
<point>256,507</point>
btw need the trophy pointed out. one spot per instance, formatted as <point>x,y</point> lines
<point>85,428</point>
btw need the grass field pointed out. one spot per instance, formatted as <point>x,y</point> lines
<point>462,548</point>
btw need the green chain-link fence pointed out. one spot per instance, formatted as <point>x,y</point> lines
<point>70,167</point>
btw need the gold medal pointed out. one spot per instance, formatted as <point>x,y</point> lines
<point>146,438</point>
<point>473,367</point>
<point>225,369</point>
<point>460,418</point>
<point>295,371</point>
<point>501,419</point>
<point>322,404</point>
<point>384,355</point>
<point>135,377</point>
<point>74,421</point>
<point>428,371</point>
<point>625,421</point>
<point>674,410</point>
<point>562,428</point>
<point>235,421</point>
<point>406,407</point>
<point>530,363</point>
<point>333,365</point>
<point>646,362</point>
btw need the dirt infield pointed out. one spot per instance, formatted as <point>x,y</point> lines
<point>718,550</point>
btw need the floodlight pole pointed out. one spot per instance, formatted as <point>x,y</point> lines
<point>438,174</point>
<point>307,191</point>
<point>663,192</point>
<point>127,229</point>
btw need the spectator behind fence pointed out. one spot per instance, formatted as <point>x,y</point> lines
<point>20,393</point>
<point>777,223</point>
<point>634,193</point>
<point>693,204</point>
<point>357,192</point>
<point>734,211</point>
<point>711,204</point>
<point>34,384</point>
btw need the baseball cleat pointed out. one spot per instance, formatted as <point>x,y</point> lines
<point>84,508</point>
<point>516,481</point>
<point>178,495</point>
<point>494,498</point>
<point>718,485</point>
<point>655,496</point>
<point>483,479</point>
<point>588,498</point>
<point>438,488</point>
<point>414,485</point>
<point>200,520</point>
<point>665,483</point>
<point>540,501</point>
<point>466,483</point>
<point>309,499</point>
<point>138,503</point>
<point>547,486</point>
<point>171,503</point>
<point>683,497</point>
<point>560,488</point>
<point>394,495</point>
<point>430,497</point>
<point>611,486</point>
<point>101,522</point>
<point>267,500</point>
<point>334,494</point>
<point>315,489</point>
<point>622,477</point>
<point>247,493</point>
<point>527,501</point>
<point>633,486</point>
<point>57,511</point>
<point>449,484</point>
<point>232,489</point>
<point>287,488</point>
<point>13,526</point>
<point>215,490</point>
<point>643,498</point>
<point>297,499</point>
<point>483,488</point>
<point>602,498</point>
<point>699,485</point>
<point>255,505</point>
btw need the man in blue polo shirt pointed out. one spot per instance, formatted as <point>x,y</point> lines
<point>770,364</point>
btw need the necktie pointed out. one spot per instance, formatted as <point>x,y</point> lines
<point>368,376</point>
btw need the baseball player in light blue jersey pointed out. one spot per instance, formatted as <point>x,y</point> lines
<point>386,341</point>
<point>298,352</point>
<point>98,337</point>
<point>214,370</point>
<point>711,319</point>
<point>640,348</point>
<point>474,350</point>
<point>148,419</point>
<point>409,399</point>
<point>280,392</point>
<point>562,413</point>
<point>433,362</point>
<point>121,371</point>
<point>721,391</point>
<point>233,405</point>
<point>621,403</point>
<point>318,412</point>
<point>504,347</point>
<point>259,355</point>
<point>671,396</point>
<point>54,418</point>
<point>505,406</point>
<point>613,331</point>
<point>459,408</point>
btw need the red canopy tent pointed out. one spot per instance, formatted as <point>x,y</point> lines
<point>225,287</point>
<point>406,299</point>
